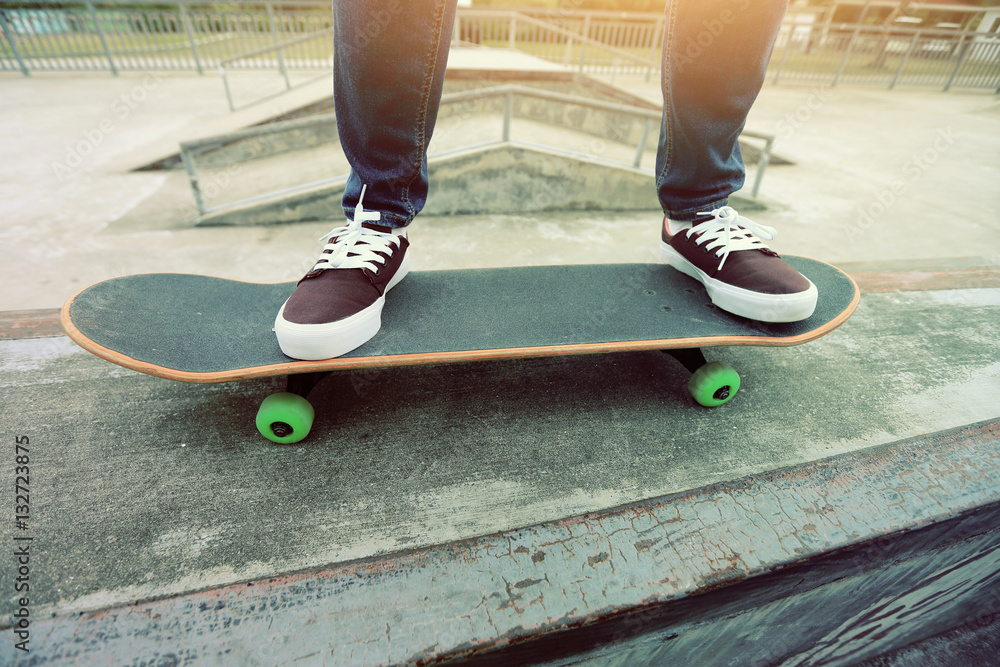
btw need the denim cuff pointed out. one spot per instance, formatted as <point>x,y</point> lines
<point>691,215</point>
<point>387,219</point>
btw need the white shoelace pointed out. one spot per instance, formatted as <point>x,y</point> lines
<point>728,231</point>
<point>354,246</point>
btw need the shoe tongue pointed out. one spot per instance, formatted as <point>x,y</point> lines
<point>367,225</point>
<point>378,228</point>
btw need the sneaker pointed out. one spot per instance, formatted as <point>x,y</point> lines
<point>337,306</point>
<point>741,274</point>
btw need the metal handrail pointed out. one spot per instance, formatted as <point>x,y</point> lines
<point>279,47</point>
<point>513,16</point>
<point>569,34</point>
<point>550,95</point>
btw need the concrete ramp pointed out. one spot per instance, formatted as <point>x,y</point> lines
<point>505,178</point>
<point>509,143</point>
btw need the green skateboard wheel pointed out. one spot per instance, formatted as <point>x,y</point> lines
<point>285,418</point>
<point>714,383</point>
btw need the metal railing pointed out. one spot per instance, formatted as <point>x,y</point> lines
<point>122,35</point>
<point>297,53</point>
<point>831,54</point>
<point>626,47</point>
<point>112,35</point>
<point>471,102</point>
<point>489,28</point>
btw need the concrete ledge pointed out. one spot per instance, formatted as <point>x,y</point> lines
<point>164,148</point>
<point>892,281</point>
<point>893,544</point>
<point>456,80</point>
<point>41,323</point>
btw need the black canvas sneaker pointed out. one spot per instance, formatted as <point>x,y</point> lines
<point>742,275</point>
<point>337,306</point>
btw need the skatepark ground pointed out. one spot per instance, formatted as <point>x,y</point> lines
<point>841,509</point>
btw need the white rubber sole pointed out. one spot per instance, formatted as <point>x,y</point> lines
<point>758,306</point>
<point>312,342</point>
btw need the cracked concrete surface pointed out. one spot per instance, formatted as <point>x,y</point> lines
<point>460,597</point>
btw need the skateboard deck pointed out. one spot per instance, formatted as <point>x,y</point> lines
<point>196,328</point>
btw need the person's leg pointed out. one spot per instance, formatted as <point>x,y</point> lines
<point>389,64</point>
<point>715,55</point>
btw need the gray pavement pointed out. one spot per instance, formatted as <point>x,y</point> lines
<point>879,176</point>
<point>144,488</point>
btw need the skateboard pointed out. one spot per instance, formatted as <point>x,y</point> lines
<point>196,328</point>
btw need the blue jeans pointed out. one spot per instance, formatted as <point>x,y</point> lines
<point>389,65</point>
